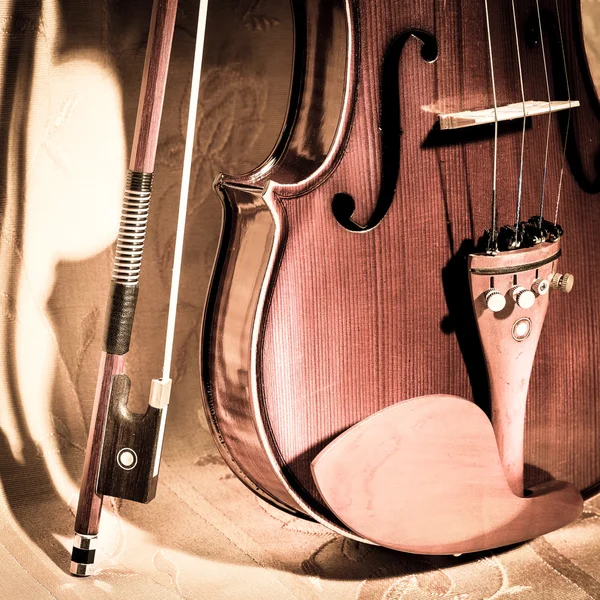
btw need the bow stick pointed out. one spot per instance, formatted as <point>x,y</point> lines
<point>123,450</point>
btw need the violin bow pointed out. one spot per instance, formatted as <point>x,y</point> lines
<point>124,448</point>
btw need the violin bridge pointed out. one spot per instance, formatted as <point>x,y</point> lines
<point>518,110</point>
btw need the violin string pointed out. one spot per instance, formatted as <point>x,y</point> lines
<point>494,198</point>
<point>564,153</point>
<point>185,185</point>
<point>537,3</point>
<point>520,190</point>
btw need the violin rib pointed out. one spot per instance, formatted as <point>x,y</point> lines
<point>252,238</point>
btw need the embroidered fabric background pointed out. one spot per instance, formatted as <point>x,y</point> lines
<point>69,78</point>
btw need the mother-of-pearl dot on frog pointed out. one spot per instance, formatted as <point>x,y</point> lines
<point>127,458</point>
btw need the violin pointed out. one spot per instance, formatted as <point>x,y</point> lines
<point>399,339</point>
<point>389,345</point>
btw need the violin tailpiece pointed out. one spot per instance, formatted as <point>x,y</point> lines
<point>510,295</point>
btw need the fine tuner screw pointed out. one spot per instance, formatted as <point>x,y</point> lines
<point>494,300</point>
<point>561,282</point>
<point>540,287</point>
<point>523,297</point>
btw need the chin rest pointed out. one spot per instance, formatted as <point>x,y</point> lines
<point>425,476</point>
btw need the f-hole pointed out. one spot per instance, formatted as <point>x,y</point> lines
<point>343,205</point>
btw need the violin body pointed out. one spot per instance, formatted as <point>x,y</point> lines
<point>341,283</point>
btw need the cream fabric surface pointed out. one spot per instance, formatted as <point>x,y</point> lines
<point>70,73</point>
